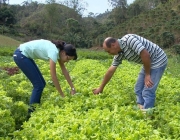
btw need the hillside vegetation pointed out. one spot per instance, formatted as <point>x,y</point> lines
<point>157,20</point>
<point>161,25</point>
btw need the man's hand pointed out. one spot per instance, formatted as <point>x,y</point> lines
<point>148,82</point>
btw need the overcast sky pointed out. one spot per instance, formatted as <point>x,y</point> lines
<point>94,6</point>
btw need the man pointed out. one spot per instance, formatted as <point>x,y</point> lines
<point>140,50</point>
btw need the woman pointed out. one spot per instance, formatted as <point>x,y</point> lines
<point>52,51</point>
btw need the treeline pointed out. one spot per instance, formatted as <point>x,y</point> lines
<point>65,20</point>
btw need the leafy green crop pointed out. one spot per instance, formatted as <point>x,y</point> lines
<point>112,115</point>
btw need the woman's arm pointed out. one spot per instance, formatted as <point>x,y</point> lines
<point>66,75</point>
<point>54,77</point>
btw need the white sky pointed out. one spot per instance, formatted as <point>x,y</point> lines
<point>94,6</point>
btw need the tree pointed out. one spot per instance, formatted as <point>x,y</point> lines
<point>119,13</point>
<point>118,3</point>
<point>25,3</point>
<point>78,5</point>
<point>52,13</point>
<point>3,2</point>
<point>167,39</point>
<point>72,30</point>
<point>134,10</point>
<point>164,1</point>
<point>146,4</point>
<point>7,17</point>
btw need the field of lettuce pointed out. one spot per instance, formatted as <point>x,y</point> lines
<point>112,115</point>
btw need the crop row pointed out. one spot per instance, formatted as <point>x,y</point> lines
<point>110,115</point>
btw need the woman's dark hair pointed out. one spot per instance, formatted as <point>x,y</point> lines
<point>59,44</point>
<point>69,49</point>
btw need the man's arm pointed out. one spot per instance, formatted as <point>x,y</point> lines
<point>145,57</point>
<point>106,79</point>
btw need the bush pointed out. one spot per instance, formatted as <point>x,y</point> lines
<point>176,48</point>
<point>6,122</point>
<point>93,54</point>
<point>5,102</point>
<point>19,113</point>
<point>167,39</point>
<point>7,51</point>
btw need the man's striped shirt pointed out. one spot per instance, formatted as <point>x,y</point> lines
<point>131,46</point>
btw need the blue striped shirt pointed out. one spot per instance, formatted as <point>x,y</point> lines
<point>132,45</point>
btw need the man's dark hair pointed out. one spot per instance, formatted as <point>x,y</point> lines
<point>109,41</point>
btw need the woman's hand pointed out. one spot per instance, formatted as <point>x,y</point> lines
<point>73,91</point>
<point>97,90</point>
